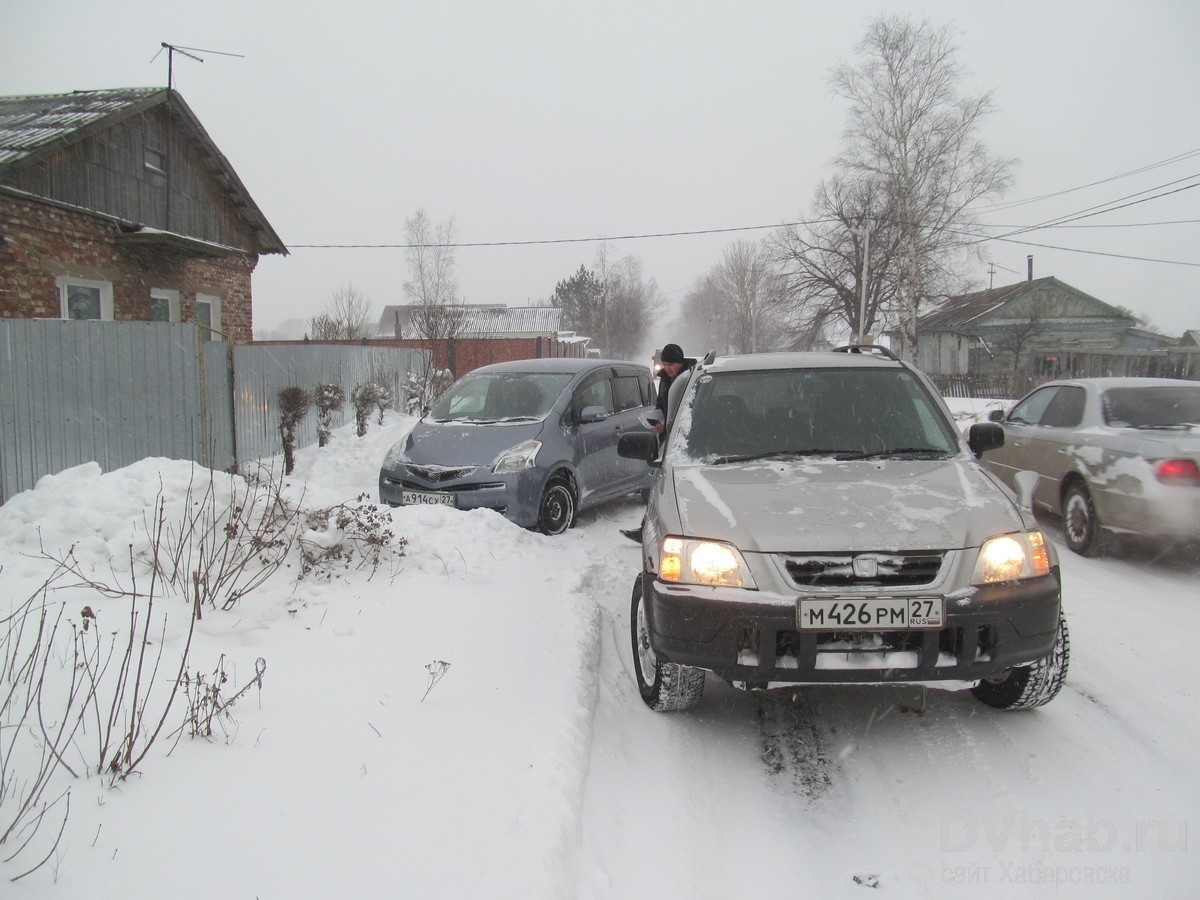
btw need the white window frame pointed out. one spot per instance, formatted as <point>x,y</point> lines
<point>172,298</point>
<point>214,306</point>
<point>64,282</point>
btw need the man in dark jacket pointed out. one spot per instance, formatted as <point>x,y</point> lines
<point>674,364</point>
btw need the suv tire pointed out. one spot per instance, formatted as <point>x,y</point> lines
<point>1026,687</point>
<point>664,686</point>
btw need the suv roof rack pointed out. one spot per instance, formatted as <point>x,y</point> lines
<point>867,348</point>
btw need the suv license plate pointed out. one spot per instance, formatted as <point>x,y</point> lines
<point>872,614</point>
<point>426,498</point>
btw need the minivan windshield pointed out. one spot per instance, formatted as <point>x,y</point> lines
<point>819,412</point>
<point>484,398</point>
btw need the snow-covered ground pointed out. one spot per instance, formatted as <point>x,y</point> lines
<point>530,768</point>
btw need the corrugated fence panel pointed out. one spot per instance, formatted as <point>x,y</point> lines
<point>109,392</point>
<point>116,392</point>
<point>260,372</point>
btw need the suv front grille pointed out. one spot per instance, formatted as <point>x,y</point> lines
<point>863,570</point>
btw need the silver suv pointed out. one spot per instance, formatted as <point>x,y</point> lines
<point>819,518</point>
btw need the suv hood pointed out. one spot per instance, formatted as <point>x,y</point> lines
<point>844,506</point>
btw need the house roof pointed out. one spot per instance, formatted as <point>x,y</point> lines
<point>483,320</point>
<point>971,310</point>
<point>35,127</point>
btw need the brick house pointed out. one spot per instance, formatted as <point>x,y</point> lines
<point>117,205</point>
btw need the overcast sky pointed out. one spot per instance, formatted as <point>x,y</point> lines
<point>571,121</point>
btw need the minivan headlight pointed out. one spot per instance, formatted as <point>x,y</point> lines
<point>518,458</point>
<point>396,456</point>
<point>1011,557</point>
<point>686,561</point>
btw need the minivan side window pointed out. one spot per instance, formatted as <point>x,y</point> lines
<point>627,393</point>
<point>596,391</point>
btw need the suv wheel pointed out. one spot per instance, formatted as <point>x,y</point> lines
<point>1026,687</point>
<point>556,513</point>
<point>664,686</point>
<point>1081,525</point>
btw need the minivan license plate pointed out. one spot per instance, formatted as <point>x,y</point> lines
<point>426,498</point>
<point>872,614</point>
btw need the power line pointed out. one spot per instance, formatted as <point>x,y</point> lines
<point>1138,171</point>
<point>1057,222</point>
<point>1169,262</point>
<point>587,240</point>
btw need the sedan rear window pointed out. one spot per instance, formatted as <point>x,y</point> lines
<point>1153,406</point>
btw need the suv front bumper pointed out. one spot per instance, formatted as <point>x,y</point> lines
<point>752,640</point>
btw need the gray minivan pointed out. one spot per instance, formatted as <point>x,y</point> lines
<point>533,439</point>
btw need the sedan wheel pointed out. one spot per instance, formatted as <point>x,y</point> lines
<point>1081,527</point>
<point>557,510</point>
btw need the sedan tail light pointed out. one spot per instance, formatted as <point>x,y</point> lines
<point>1178,472</point>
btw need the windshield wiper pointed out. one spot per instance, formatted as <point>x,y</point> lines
<point>899,453</point>
<point>774,454</point>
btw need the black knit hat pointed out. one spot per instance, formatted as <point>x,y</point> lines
<point>672,353</point>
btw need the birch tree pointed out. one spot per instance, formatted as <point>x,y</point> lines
<point>913,136</point>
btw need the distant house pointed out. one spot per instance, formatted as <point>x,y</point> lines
<point>116,204</point>
<point>475,321</point>
<point>481,334</point>
<point>1036,329</point>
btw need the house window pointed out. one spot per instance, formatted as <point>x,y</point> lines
<point>208,316</point>
<point>164,305</point>
<point>156,165</point>
<point>82,299</point>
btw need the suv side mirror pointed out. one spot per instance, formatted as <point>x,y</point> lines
<point>996,415</point>
<point>984,436</point>
<point>592,414</point>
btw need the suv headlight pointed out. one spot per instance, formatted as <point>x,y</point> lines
<point>686,561</point>
<point>1011,557</point>
<point>518,458</point>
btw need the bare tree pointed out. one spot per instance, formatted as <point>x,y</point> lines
<point>823,263</point>
<point>630,300</point>
<point>1017,335</point>
<point>347,317</point>
<point>703,321</point>
<point>752,293</point>
<point>432,286</point>
<point>910,130</point>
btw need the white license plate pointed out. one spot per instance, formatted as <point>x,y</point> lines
<point>426,498</point>
<point>871,614</point>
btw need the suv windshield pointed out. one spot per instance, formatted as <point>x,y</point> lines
<point>839,413</point>
<point>499,397</point>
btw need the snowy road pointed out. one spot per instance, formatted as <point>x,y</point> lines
<point>831,791</point>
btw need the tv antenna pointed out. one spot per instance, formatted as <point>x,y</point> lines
<point>190,53</point>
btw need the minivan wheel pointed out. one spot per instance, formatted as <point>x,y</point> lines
<point>664,686</point>
<point>556,513</point>
<point>1081,525</point>
<point>1026,687</point>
